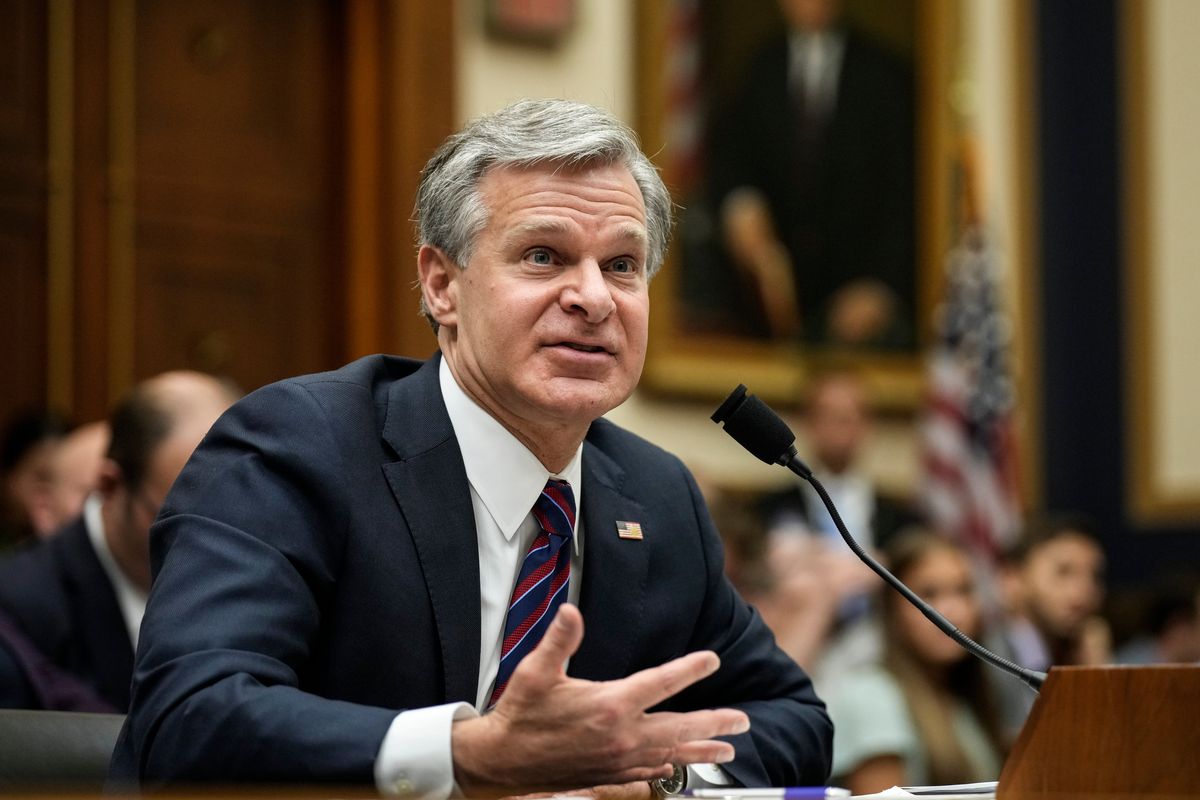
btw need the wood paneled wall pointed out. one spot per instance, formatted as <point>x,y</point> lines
<point>23,203</point>
<point>239,181</point>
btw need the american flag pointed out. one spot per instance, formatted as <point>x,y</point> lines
<point>969,456</point>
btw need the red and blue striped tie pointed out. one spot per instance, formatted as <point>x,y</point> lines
<point>542,582</point>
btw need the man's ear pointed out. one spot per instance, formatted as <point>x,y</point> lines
<point>111,478</point>
<point>439,286</point>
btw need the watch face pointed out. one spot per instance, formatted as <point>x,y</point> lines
<point>674,784</point>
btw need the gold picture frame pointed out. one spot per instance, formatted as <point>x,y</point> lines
<point>682,364</point>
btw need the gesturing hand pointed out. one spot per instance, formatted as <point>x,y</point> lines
<point>550,731</point>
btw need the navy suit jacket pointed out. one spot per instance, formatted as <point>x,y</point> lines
<point>316,571</point>
<point>60,597</point>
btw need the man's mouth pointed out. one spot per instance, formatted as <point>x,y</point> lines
<point>583,348</point>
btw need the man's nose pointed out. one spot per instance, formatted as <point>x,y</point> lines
<point>588,292</point>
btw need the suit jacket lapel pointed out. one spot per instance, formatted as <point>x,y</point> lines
<point>430,486</point>
<point>615,571</point>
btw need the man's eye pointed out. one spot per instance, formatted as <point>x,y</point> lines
<point>540,256</point>
<point>623,265</point>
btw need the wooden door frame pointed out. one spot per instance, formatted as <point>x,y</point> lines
<point>399,68</point>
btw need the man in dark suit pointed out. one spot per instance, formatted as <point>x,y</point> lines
<point>78,596</point>
<point>803,540</point>
<point>838,423</point>
<point>334,571</point>
<point>30,680</point>
<point>811,177</point>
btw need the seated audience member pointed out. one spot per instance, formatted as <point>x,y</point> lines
<point>924,715</point>
<point>78,596</point>
<point>787,578</point>
<point>27,475</point>
<point>1055,586</point>
<point>837,424</point>
<point>28,679</point>
<point>1172,630</point>
<point>77,466</point>
<point>454,576</point>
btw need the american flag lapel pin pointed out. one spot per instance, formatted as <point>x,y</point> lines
<point>629,530</point>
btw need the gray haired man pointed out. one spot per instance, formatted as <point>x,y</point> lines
<point>452,576</point>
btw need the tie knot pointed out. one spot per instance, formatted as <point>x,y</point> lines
<point>555,508</point>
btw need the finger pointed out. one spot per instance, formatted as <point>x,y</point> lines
<point>652,686</point>
<point>708,751</point>
<point>559,643</point>
<point>674,728</point>
<point>667,737</point>
<point>635,790</point>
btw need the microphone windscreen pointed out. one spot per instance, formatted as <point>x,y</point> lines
<point>754,426</point>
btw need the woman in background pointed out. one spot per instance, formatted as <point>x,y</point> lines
<point>924,715</point>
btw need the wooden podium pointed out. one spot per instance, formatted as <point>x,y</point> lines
<point>1109,732</point>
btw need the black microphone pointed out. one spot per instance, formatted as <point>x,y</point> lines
<point>756,427</point>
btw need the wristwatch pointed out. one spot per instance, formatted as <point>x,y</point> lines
<point>670,787</point>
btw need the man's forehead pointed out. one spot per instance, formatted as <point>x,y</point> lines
<point>558,173</point>
<point>538,225</point>
<point>533,199</point>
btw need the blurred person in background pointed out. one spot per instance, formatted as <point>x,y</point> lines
<point>76,468</point>
<point>1054,582</point>
<point>27,454</point>
<point>1171,632</point>
<point>28,679</point>
<point>789,584</point>
<point>79,595</point>
<point>924,714</point>
<point>837,423</point>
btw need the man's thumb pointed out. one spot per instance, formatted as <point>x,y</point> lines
<point>561,639</point>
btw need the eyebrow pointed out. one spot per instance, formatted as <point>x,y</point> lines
<point>545,226</point>
<point>630,232</point>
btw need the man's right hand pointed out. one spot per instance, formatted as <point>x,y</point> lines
<point>550,731</point>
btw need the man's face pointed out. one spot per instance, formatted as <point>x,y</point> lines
<point>546,326</point>
<point>837,423</point>
<point>943,578</point>
<point>1064,584</point>
<point>810,15</point>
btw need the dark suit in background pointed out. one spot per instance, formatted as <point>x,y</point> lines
<point>889,517</point>
<point>841,195</point>
<point>60,597</point>
<point>316,572</point>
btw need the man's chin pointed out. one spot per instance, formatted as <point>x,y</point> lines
<point>583,399</point>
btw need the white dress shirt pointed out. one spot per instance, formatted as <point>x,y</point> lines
<point>130,598</point>
<point>815,65</point>
<point>505,481</point>
<point>415,759</point>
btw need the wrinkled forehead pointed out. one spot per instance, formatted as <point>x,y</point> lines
<point>600,189</point>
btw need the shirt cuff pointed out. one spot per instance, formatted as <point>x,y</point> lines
<point>415,759</point>
<point>700,776</point>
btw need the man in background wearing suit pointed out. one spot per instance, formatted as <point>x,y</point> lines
<point>811,186</point>
<point>334,568</point>
<point>838,424</point>
<point>802,535</point>
<point>78,596</point>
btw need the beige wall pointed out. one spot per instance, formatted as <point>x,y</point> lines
<point>594,62</point>
<point>1163,259</point>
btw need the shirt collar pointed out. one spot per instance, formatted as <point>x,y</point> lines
<point>130,598</point>
<point>506,476</point>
